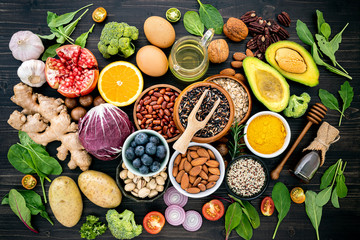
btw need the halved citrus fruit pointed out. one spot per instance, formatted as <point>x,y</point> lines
<point>120,83</point>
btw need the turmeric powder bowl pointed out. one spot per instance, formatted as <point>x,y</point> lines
<point>267,134</point>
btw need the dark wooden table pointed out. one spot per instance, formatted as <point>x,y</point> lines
<point>339,224</point>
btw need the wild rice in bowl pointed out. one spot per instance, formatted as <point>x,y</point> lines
<point>246,177</point>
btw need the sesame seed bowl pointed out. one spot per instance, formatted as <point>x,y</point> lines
<point>246,177</point>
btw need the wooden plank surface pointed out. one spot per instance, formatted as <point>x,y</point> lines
<point>336,224</point>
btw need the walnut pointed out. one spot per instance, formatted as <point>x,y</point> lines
<point>218,51</point>
<point>235,29</point>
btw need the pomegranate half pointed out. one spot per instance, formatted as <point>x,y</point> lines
<point>75,73</point>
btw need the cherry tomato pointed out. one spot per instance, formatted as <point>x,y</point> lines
<point>297,195</point>
<point>153,222</point>
<point>29,181</point>
<point>213,210</point>
<point>267,206</point>
<point>99,14</point>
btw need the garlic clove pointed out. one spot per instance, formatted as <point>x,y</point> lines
<point>26,45</point>
<point>32,73</point>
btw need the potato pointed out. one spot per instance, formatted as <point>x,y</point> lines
<point>100,189</point>
<point>65,201</point>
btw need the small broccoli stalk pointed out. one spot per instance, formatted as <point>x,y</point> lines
<point>297,105</point>
<point>123,226</point>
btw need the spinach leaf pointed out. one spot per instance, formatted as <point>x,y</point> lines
<point>249,211</point>
<point>65,18</point>
<point>325,48</point>
<point>334,43</point>
<point>48,37</point>
<point>193,24</point>
<point>326,30</point>
<point>328,100</point>
<point>211,17</point>
<point>347,94</point>
<point>20,159</point>
<point>81,40</point>
<point>313,211</point>
<point>244,228</point>
<point>323,197</point>
<point>50,17</point>
<point>320,20</point>
<point>18,206</point>
<point>281,197</point>
<point>341,188</point>
<point>328,176</point>
<point>46,164</point>
<point>232,218</point>
<point>304,33</point>
<point>335,199</point>
<point>50,51</point>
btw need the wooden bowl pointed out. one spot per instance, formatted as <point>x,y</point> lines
<point>247,115</point>
<point>142,95</point>
<point>226,128</point>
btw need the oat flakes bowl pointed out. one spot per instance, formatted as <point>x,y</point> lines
<point>246,177</point>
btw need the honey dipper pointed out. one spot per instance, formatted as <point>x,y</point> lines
<point>315,115</point>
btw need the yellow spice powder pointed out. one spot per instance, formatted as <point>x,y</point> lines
<point>266,134</point>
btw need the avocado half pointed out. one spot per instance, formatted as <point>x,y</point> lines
<point>267,84</point>
<point>298,65</point>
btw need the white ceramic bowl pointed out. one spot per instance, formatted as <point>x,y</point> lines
<point>128,163</point>
<point>206,192</point>
<point>287,138</point>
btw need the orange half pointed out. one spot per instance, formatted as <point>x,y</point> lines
<point>120,83</point>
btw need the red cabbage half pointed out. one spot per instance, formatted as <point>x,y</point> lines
<point>103,130</point>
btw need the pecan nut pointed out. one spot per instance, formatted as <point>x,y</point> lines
<point>258,26</point>
<point>249,17</point>
<point>274,38</point>
<point>273,26</point>
<point>284,19</point>
<point>259,55</point>
<point>252,43</point>
<point>263,42</point>
<point>283,33</point>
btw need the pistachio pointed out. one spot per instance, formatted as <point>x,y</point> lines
<point>164,175</point>
<point>144,192</point>
<point>160,180</point>
<point>153,193</point>
<point>128,181</point>
<point>123,166</point>
<point>136,179</point>
<point>129,187</point>
<point>135,190</point>
<point>147,179</point>
<point>290,60</point>
<point>135,194</point>
<point>130,175</point>
<point>123,174</point>
<point>152,184</point>
<point>159,188</point>
<point>141,183</point>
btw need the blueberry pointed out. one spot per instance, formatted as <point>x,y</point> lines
<point>139,151</point>
<point>155,140</point>
<point>160,152</point>
<point>141,138</point>
<point>146,160</point>
<point>136,163</point>
<point>129,153</point>
<point>155,166</point>
<point>150,148</point>
<point>144,169</point>
<point>133,144</point>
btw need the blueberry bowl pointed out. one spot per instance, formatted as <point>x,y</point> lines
<point>145,153</point>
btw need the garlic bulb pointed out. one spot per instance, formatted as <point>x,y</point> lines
<point>32,73</point>
<point>26,45</point>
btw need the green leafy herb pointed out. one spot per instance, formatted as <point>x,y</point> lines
<point>323,197</point>
<point>346,93</point>
<point>211,17</point>
<point>249,211</point>
<point>81,40</point>
<point>193,24</point>
<point>92,228</point>
<point>33,202</point>
<point>48,37</point>
<point>335,199</point>
<point>341,188</point>
<point>337,39</point>
<point>64,18</point>
<point>234,144</point>
<point>313,211</point>
<point>244,228</point>
<point>320,20</point>
<point>232,218</point>
<point>281,197</point>
<point>50,51</point>
<point>326,30</point>
<point>304,33</point>
<point>328,176</point>
<point>29,158</point>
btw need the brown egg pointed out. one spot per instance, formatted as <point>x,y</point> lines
<point>159,32</point>
<point>152,61</point>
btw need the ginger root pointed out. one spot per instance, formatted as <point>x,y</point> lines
<point>45,119</point>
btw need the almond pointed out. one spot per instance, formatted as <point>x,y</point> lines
<point>228,71</point>
<point>194,148</point>
<point>210,185</point>
<point>183,155</point>
<point>175,171</point>
<point>192,179</point>
<point>249,53</point>
<point>202,187</point>
<point>187,166</point>
<point>212,163</point>
<point>195,171</point>
<point>188,156</point>
<point>212,155</point>
<point>193,190</point>
<point>240,77</point>
<point>184,181</point>
<point>202,152</point>
<point>179,176</point>
<point>194,154</point>
<point>204,182</point>
<point>181,165</point>
<point>177,160</point>
<point>198,161</point>
<point>239,56</point>
<point>213,178</point>
<point>203,175</point>
<point>197,181</point>
<point>205,169</point>
<point>213,170</point>
<point>236,64</point>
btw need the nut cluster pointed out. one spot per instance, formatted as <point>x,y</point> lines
<point>265,32</point>
<point>237,63</point>
<point>196,170</point>
<point>143,187</point>
<point>155,111</point>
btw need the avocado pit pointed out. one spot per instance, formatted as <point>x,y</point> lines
<point>290,60</point>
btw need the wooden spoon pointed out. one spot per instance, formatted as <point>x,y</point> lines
<point>315,115</point>
<point>193,125</point>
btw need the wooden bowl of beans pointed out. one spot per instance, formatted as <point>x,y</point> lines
<point>154,109</point>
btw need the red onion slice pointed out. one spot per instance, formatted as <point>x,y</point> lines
<point>175,215</point>
<point>173,197</point>
<point>193,221</point>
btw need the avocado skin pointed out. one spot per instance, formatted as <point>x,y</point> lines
<point>309,78</point>
<point>251,65</point>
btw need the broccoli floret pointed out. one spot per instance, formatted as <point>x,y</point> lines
<point>123,225</point>
<point>110,38</point>
<point>297,105</point>
<point>92,228</point>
